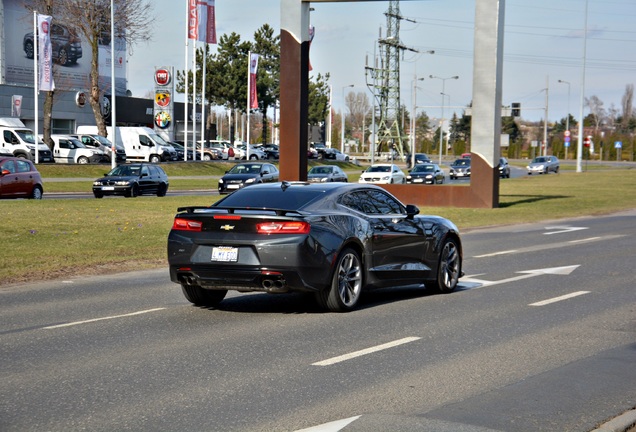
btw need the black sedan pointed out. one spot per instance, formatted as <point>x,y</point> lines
<point>246,174</point>
<point>132,180</point>
<point>327,173</point>
<point>334,240</point>
<point>425,173</point>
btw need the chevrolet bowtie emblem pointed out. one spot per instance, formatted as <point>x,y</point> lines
<point>227,227</point>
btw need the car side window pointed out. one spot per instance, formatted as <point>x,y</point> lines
<point>353,201</point>
<point>9,137</point>
<point>144,170</point>
<point>23,166</point>
<point>9,166</point>
<point>385,204</point>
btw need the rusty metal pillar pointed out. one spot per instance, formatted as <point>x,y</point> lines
<point>294,81</point>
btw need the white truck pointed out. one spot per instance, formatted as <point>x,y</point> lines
<point>20,141</point>
<point>142,144</point>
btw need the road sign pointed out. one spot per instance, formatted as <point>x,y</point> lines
<point>567,138</point>
<point>566,133</point>
<point>618,144</point>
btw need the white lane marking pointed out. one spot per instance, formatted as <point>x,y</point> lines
<point>102,319</point>
<point>564,271</point>
<point>496,253</point>
<point>558,299</point>
<point>589,239</point>
<point>365,351</point>
<point>333,426</point>
<point>563,229</point>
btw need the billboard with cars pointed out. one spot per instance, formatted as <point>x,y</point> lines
<point>71,53</point>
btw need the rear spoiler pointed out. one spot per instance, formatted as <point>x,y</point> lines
<point>233,210</point>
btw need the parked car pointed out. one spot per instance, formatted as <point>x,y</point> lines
<point>98,142</point>
<point>337,155</point>
<point>327,173</point>
<point>272,151</point>
<point>419,158</point>
<point>180,149</point>
<point>543,165</point>
<point>246,174</point>
<point>255,152</point>
<point>425,173</point>
<point>335,240</point>
<point>460,169</point>
<point>214,148</point>
<point>19,178</point>
<point>382,174</point>
<point>132,180</point>
<point>504,168</point>
<point>65,43</point>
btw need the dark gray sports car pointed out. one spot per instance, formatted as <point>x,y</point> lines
<point>332,239</point>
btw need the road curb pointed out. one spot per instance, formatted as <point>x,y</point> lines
<point>622,423</point>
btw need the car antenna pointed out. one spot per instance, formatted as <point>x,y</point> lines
<point>284,185</point>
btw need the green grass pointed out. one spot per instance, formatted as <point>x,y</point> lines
<point>54,238</point>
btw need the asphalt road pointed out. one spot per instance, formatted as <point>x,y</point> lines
<point>540,337</point>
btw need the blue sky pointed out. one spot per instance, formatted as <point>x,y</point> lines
<point>543,44</point>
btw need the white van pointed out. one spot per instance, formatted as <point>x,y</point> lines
<point>142,144</point>
<point>67,149</point>
<point>99,142</point>
<point>20,141</point>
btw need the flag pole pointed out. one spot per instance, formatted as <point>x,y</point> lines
<point>185,111</point>
<point>36,108</point>
<point>249,102</point>
<point>203,122</point>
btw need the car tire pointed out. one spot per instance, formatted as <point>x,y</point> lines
<point>154,159</point>
<point>556,171</point>
<point>253,157</point>
<point>82,160</point>
<point>133,192</point>
<point>98,194</point>
<point>449,267</point>
<point>162,190</point>
<point>28,49</point>
<point>36,193</point>
<point>62,57</point>
<point>346,284</point>
<point>203,297</point>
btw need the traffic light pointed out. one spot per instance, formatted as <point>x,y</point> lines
<point>516,109</point>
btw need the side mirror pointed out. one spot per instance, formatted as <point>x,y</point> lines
<point>412,210</point>
<point>264,173</point>
<point>4,172</point>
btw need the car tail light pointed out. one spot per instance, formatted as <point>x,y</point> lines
<point>181,224</point>
<point>291,227</point>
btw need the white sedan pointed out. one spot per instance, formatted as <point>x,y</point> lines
<point>382,174</point>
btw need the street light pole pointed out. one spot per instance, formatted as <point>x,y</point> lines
<point>567,119</point>
<point>412,122</point>
<point>343,118</point>
<point>441,123</point>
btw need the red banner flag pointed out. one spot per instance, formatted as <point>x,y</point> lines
<point>253,104</point>
<point>201,21</point>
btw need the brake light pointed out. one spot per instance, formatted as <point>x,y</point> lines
<point>228,217</point>
<point>181,224</point>
<point>290,227</point>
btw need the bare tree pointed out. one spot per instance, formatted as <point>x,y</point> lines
<point>627,104</point>
<point>359,107</point>
<point>596,109</point>
<point>91,18</point>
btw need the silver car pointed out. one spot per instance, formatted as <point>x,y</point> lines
<point>543,165</point>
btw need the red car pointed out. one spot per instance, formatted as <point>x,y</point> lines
<point>19,178</point>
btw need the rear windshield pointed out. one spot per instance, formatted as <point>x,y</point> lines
<point>293,198</point>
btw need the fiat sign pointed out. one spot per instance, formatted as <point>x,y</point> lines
<point>162,76</point>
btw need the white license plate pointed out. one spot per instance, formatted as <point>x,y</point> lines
<point>225,254</point>
<point>233,186</point>
<point>108,188</point>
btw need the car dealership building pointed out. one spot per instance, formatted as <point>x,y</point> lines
<point>71,76</point>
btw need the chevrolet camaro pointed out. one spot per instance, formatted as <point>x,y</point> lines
<point>334,240</point>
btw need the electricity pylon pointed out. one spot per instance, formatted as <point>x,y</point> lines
<point>386,84</point>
